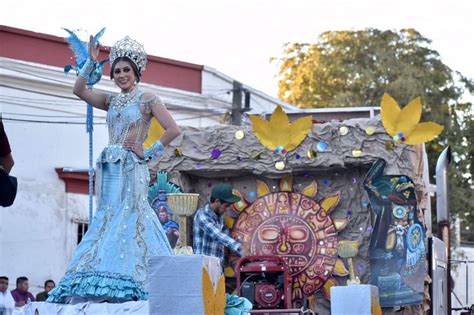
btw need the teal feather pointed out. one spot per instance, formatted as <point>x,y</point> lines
<point>78,47</point>
<point>98,36</point>
<point>162,183</point>
<point>81,54</point>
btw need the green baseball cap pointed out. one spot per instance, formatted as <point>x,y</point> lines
<point>224,192</point>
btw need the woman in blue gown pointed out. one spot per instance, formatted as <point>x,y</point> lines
<point>111,262</point>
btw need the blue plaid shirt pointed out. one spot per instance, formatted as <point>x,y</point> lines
<point>209,237</point>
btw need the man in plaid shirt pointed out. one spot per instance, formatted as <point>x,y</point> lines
<point>208,230</point>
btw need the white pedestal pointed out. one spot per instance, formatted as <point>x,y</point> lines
<point>362,299</point>
<point>176,283</point>
<point>89,308</point>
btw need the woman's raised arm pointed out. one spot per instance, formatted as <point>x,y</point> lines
<point>98,100</point>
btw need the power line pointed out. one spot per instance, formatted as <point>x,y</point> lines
<point>81,115</point>
<point>41,101</point>
<point>50,116</point>
<point>83,123</point>
<point>181,105</point>
<point>49,122</point>
<point>198,117</point>
<point>36,75</point>
<point>37,92</point>
<point>43,108</point>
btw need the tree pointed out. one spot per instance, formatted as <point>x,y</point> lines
<point>355,68</point>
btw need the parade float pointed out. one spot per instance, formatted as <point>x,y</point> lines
<point>341,203</point>
<point>331,214</point>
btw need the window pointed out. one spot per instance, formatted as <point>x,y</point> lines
<point>81,230</point>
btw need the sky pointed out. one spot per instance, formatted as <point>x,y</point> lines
<point>238,38</point>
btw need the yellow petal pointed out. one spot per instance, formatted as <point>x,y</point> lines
<point>280,128</point>
<point>155,133</point>
<point>409,117</point>
<point>279,118</point>
<point>327,287</point>
<point>220,300</point>
<point>330,202</point>
<point>262,188</point>
<point>389,111</point>
<point>262,131</point>
<point>311,190</point>
<point>299,129</point>
<point>279,132</point>
<point>207,293</point>
<point>340,269</point>
<point>424,132</point>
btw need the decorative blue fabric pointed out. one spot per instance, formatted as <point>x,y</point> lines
<point>111,262</point>
<point>236,305</point>
<point>102,284</point>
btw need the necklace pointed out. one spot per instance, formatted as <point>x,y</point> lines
<point>123,99</point>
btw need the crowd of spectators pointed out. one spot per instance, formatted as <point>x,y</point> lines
<point>21,295</point>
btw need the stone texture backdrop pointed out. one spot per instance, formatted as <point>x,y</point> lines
<point>190,164</point>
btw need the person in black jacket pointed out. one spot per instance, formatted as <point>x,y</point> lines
<point>6,159</point>
<point>8,184</point>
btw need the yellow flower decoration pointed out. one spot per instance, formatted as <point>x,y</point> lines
<point>214,302</point>
<point>154,134</point>
<point>403,124</point>
<point>278,132</point>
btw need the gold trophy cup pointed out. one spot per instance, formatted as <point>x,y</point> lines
<point>348,250</point>
<point>184,205</point>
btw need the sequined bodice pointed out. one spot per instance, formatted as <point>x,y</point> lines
<point>125,118</point>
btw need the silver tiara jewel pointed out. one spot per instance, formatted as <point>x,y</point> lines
<point>127,47</point>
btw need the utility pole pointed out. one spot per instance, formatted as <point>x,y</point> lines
<point>237,103</point>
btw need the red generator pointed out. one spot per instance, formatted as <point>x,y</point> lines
<point>264,281</point>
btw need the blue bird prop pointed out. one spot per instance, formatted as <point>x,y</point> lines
<point>81,54</point>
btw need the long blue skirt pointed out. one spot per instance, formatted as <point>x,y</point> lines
<point>111,262</point>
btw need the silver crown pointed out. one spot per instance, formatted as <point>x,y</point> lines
<point>127,47</point>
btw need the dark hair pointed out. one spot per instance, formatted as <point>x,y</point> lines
<point>20,280</point>
<point>3,278</point>
<point>48,281</point>
<point>132,64</point>
<point>222,201</point>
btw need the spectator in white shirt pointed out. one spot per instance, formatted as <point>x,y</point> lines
<point>6,299</point>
